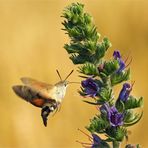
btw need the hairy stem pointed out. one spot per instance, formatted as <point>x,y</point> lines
<point>116,144</point>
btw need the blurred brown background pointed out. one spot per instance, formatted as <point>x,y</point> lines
<point>31,44</point>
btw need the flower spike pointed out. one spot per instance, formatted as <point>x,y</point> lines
<point>88,50</point>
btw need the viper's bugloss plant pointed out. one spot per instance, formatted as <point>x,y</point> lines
<point>100,76</point>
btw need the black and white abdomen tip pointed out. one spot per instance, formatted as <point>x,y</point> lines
<point>46,110</point>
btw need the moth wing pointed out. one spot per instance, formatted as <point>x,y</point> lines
<point>34,82</point>
<point>42,88</point>
<point>31,95</point>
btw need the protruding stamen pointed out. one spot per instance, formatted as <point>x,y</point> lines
<point>133,83</point>
<point>85,134</point>
<point>86,145</point>
<point>126,59</point>
<point>129,63</point>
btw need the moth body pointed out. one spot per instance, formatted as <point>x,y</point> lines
<point>43,95</point>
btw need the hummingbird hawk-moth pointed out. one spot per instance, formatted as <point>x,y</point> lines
<point>43,95</point>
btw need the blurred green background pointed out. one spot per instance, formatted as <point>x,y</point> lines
<point>31,44</point>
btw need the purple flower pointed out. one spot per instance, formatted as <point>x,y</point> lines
<point>117,57</point>
<point>96,141</point>
<point>125,92</point>
<point>115,118</point>
<point>91,88</point>
<point>116,54</point>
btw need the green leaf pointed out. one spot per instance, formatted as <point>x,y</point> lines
<point>120,106</point>
<point>129,116</point>
<point>105,95</point>
<point>103,144</point>
<point>88,69</point>
<point>117,78</point>
<point>98,124</point>
<point>103,76</point>
<point>101,49</point>
<point>116,134</point>
<point>106,43</point>
<point>132,103</point>
<point>135,118</point>
<point>91,33</point>
<point>110,67</point>
<point>78,59</point>
<point>73,9</point>
<point>90,46</point>
<point>78,24</point>
<point>92,103</point>
<point>71,48</point>
<point>81,92</point>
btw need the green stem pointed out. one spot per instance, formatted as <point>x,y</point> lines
<point>116,144</point>
<point>108,82</point>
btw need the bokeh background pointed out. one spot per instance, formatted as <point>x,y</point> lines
<point>31,44</point>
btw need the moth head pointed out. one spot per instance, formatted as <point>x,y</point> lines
<point>63,82</point>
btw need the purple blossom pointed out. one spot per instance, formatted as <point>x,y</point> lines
<point>117,57</point>
<point>91,88</point>
<point>96,141</point>
<point>125,92</point>
<point>116,54</point>
<point>115,118</point>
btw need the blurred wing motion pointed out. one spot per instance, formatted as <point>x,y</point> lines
<point>42,88</point>
<point>34,83</point>
<point>37,93</point>
<point>31,95</point>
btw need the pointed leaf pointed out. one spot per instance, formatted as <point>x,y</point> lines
<point>132,103</point>
<point>135,120</point>
<point>117,78</point>
<point>88,69</point>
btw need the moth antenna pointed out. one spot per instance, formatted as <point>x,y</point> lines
<point>59,74</point>
<point>69,75</point>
